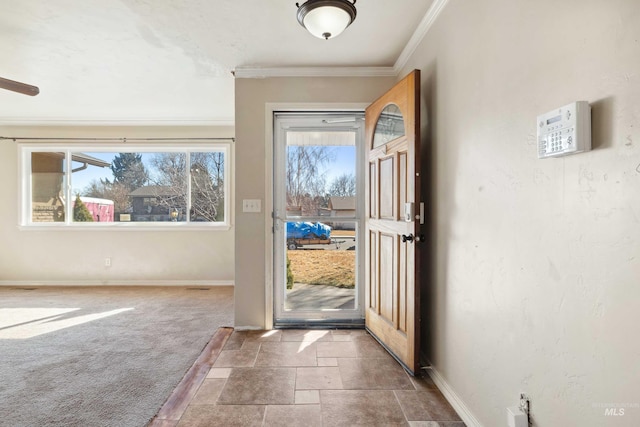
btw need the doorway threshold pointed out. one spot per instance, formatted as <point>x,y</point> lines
<point>318,324</point>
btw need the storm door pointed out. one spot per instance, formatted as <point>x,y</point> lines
<point>317,219</point>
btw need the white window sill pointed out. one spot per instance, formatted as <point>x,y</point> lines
<point>119,226</point>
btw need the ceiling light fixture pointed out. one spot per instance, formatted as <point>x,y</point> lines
<point>326,19</point>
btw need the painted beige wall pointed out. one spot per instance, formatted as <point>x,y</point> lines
<point>77,257</point>
<point>252,96</point>
<point>537,262</point>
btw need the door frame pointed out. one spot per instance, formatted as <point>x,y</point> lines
<point>270,109</point>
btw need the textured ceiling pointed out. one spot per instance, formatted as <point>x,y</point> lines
<point>144,60</point>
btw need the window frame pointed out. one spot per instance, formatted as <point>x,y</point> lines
<point>25,150</point>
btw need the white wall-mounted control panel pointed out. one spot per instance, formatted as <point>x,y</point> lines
<point>565,130</point>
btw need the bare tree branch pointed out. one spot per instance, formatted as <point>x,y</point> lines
<point>305,183</point>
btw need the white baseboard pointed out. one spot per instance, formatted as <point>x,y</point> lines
<point>454,400</point>
<point>180,283</point>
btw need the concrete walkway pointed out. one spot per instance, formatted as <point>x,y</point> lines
<point>318,297</point>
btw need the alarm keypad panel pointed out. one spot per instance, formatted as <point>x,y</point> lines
<point>565,130</point>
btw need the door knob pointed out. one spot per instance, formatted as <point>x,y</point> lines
<point>406,238</point>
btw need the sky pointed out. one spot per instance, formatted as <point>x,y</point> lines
<point>81,179</point>
<point>344,163</point>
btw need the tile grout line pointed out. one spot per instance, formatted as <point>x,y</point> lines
<point>323,417</point>
<point>404,413</point>
<point>255,359</point>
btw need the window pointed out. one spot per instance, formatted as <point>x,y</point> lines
<point>127,186</point>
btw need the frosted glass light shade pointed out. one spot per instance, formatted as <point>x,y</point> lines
<point>326,22</point>
<point>326,19</point>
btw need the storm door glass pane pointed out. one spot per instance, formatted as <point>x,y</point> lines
<point>321,220</point>
<point>321,273</point>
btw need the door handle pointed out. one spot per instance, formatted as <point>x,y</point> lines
<point>411,238</point>
<point>408,238</point>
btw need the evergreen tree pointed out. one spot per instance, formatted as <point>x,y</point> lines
<point>129,170</point>
<point>80,211</point>
<point>289,275</point>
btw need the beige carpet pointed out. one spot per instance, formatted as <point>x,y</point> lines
<point>100,356</point>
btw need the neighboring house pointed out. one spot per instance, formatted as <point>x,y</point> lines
<point>294,210</point>
<point>47,175</point>
<point>311,206</point>
<point>155,203</point>
<point>343,207</point>
<point>324,212</point>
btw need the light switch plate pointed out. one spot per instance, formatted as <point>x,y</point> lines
<point>251,205</point>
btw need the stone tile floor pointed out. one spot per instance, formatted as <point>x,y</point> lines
<point>313,378</point>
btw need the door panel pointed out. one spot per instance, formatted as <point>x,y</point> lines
<point>387,175</point>
<point>393,179</point>
<point>387,282</point>
<point>402,289</point>
<point>402,178</point>
<point>373,296</point>
<point>373,205</point>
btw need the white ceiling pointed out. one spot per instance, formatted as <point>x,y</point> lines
<point>137,61</point>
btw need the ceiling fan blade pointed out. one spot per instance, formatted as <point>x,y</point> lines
<point>19,87</point>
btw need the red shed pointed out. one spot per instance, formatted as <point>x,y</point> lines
<point>101,209</point>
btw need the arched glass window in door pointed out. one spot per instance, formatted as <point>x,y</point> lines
<point>390,126</point>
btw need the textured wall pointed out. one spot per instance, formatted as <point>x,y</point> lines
<point>77,256</point>
<point>536,262</point>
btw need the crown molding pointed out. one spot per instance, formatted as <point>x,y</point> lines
<point>266,72</point>
<point>256,72</point>
<point>35,121</point>
<point>419,34</point>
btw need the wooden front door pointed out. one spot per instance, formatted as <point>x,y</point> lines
<point>392,296</point>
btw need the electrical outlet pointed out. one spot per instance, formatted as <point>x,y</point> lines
<point>107,262</point>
